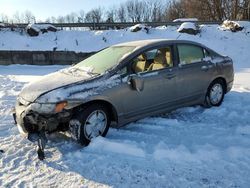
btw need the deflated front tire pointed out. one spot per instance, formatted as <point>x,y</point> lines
<point>89,123</point>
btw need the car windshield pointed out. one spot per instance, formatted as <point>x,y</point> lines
<point>104,60</point>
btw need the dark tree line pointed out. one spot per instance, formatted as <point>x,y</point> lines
<point>149,11</point>
<point>210,10</point>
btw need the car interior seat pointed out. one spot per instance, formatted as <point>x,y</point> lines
<point>159,61</point>
<point>140,64</point>
<point>169,58</point>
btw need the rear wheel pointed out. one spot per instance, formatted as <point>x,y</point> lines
<point>215,94</point>
<point>90,123</point>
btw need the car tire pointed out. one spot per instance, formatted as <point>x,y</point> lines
<point>215,94</point>
<point>89,122</point>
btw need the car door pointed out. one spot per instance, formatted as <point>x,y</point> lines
<point>158,87</point>
<point>194,73</point>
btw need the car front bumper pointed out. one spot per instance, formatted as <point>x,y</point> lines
<point>29,121</point>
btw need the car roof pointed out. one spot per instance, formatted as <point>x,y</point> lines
<point>154,42</point>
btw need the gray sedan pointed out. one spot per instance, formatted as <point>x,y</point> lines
<point>120,84</point>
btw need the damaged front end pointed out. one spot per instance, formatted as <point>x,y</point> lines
<point>35,119</point>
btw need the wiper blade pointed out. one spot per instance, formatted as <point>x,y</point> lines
<point>93,73</point>
<point>88,72</point>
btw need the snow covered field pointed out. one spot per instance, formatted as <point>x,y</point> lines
<point>190,147</point>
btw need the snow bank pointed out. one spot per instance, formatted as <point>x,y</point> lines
<point>91,41</point>
<point>139,27</point>
<point>189,28</point>
<point>35,29</point>
<point>231,25</point>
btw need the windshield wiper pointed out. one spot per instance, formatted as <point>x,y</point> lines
<point>93,73</point>
<point>88,72</point>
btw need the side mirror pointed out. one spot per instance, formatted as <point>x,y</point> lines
<point>207,59</point>
<point>136,82</point>
<point>180,65</point>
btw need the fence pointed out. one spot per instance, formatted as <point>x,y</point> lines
<point>106,25</point>
<point>41,57</point>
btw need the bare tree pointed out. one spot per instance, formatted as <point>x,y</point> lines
<point>4,18</point>
<point>29,17</point>
<point>81,16</point>
<point>175,10</point>
<point>17,17</point>
<point>94,16</point>
<point>150,10</point>
<point>135,10</point>
<point>111,15</point>
<point>121,13</point>
<point>60,19</point>
<point>245,9</point>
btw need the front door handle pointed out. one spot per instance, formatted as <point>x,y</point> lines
<point>170,76</point>
<point>204,68</point>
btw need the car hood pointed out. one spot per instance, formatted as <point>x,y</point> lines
<point>51,82</point>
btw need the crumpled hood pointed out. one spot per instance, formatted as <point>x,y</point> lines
<point>50,82</point>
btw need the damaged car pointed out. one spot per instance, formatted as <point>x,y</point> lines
<point>121,84</point>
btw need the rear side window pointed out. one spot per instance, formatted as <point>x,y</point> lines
<point>189,53</point>
<point>211,54</point>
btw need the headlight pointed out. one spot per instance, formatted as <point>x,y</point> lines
<point>48,108</point>
<point>43,108</point>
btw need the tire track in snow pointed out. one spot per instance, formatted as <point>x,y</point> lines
<point>188,147</point>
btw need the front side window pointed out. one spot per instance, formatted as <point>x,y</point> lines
<point>105,59</point>
<point>152,60</point>
<point>189,54</point>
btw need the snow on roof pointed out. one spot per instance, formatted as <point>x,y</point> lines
<point>186,20</point>
<point>142,42</point>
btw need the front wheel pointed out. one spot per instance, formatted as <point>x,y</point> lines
<point>90,123</point>
<point>215,94</point>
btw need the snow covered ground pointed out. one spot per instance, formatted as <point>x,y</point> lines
<point>190,147</point>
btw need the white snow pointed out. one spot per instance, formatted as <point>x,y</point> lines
<point>38,27</point>
<point>186,20</point>
<point>187,25</point>
<point>141,26</point>
<point>228,25</point>
<point>190,147</point>
<point>89,41</point>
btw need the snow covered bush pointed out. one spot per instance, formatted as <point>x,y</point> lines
<point>35,29</point>
<point>189,28</point>
<point>139,27</point>
<point>231,25</point>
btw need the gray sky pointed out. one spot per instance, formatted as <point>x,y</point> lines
<point>43,9</point>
